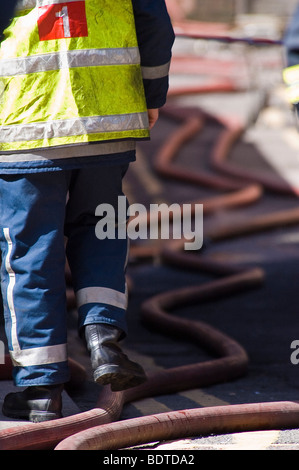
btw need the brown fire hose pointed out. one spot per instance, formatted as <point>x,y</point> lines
<point>231,364</point>
<point>230,418</point>
<point>94,429</point>
<point>185,423</point>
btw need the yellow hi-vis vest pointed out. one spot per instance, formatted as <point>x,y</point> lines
<point>70,74</point>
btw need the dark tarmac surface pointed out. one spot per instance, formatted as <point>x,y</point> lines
<point>264,320</point>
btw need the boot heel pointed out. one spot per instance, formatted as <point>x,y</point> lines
<point>118,377</point>
<point>106,373</point>
<point>36,404</point>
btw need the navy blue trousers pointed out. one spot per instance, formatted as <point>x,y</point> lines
<point>46,216</point>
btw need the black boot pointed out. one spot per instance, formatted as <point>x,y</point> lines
<point>36,403</point>
<point>109,363</point>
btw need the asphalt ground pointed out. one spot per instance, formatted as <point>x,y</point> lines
<point>263,320</point>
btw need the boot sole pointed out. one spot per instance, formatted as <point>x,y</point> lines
<point>118,378</point>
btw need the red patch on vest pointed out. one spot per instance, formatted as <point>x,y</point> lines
<point>62,20</point>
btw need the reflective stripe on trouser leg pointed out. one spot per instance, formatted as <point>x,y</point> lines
<point>101,288</point>
<point>32,274</point>
<point>98,266</point>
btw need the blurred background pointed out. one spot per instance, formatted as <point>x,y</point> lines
<point>228,11</point>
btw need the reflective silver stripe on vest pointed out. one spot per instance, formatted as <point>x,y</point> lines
<point>71,151</point>
<point>41,3</point>
<point>77,126</point>
<point>68,59</point>
<point>29,4</point>
<point>26,4</point>
<point>155,72</point>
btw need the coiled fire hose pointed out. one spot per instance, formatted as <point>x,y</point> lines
<point>99,428</point>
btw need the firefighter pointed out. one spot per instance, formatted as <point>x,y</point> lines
<point>82,82</point>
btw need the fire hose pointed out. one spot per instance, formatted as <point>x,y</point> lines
<point>99,428</point>
<point>231,362</point>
